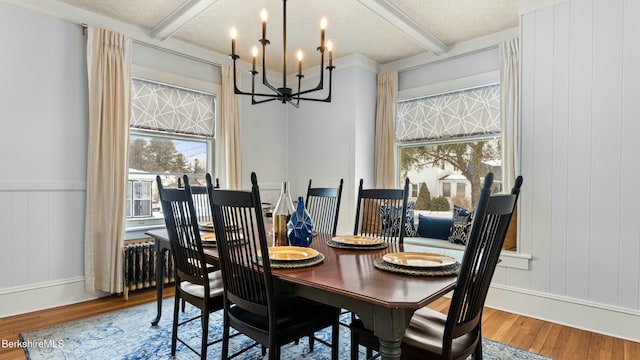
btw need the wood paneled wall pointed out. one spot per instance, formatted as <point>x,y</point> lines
<point>580,143</point>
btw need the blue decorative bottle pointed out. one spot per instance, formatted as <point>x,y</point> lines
<point>300,226</point>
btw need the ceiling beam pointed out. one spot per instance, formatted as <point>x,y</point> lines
<point>399,19</point>
<point>179,18</point>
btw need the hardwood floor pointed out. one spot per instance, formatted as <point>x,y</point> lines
<point>537,336</point>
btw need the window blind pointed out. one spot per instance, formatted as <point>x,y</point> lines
<point>456,114</point>
<point>161,107</point>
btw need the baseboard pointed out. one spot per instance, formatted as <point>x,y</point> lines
<point>45,295</point>
<point>599,318</point>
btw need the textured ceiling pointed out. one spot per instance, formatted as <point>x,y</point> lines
<point>354,26</point>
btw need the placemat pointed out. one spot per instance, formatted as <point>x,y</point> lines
<point>441,271</point>
<point>297,264</point>
<point>335,244</point>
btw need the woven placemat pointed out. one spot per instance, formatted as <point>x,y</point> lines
<point>297,264</point>
<point>335,244</point>
<point>441,271</point>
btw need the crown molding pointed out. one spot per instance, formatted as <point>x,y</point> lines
<point>527,6</point>
<point>463,48</point>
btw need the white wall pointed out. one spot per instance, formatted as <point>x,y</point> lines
<point>452,69</point>
<point>43,147</point>
<point>580,132</point>
<point>330,141</point>
<point>263,140</point>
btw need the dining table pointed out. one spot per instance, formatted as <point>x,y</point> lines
<point>346,278</point>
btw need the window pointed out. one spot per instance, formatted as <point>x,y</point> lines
<point>172,134</point>
<point>140,198</point>
<point>414,190</point>
<point>449,141</point>
<point>446,189</point>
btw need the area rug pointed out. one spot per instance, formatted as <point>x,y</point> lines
<point>128,334</point>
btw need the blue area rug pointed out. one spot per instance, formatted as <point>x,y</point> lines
<point>128,334</point>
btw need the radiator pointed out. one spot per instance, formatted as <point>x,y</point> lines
<point>139,266</point>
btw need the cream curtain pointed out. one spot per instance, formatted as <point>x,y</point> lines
<point>387,101</point>
<point>509,98</point>
<point>109,73</point>
<point>231,170</point>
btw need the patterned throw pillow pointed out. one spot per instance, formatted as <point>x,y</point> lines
<point>390,220</point>
<point>461,226</point>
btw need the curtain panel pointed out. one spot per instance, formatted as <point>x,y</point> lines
<point>109,80</point>
<point>509,99</point>
<point>384,167</point>
<point>231,168</point>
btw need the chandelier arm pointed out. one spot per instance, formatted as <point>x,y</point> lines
<point>265,82</point>
<point>320,85</point>
<point>253,101</point>
<point>328,98</point>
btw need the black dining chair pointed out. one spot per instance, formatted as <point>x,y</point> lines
<point>203,210</point>
<point>433,335</point>
<point>195,283</point>
<point>381,213</point>
<point>323,204</point>
<point>252,305</point>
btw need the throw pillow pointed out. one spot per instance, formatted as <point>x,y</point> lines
<point>390,218</point>
<point>461,226</point>
<point>434,227</point>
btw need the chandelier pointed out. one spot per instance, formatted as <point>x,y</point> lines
<point>283,94</point>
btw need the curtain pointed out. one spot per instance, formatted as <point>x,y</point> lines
<point>231,171</point>
<point>109,79</point>
<point>384,167</point>
<point>509,98</point>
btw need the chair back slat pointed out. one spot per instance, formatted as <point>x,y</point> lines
<point>182,228</point>
<point>323,205</point>
<point>241,241</point>
<point>488,230</point>
<point>381,213</point>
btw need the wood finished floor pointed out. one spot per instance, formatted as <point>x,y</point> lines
<point>537,336</point>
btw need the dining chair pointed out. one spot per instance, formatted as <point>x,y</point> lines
<point>458,334</point>
<point>381,213</point>
<point>201,200</point>
<point>252,305</point>
<point>203,210</point>
<point>323,204</point>
<point>194,283</point>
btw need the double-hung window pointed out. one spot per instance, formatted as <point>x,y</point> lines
<point>448,142</point>
<point>172,134</point>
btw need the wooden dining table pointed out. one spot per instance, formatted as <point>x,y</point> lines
<point>348,279</point>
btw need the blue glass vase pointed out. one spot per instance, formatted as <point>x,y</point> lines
<point>300,226</point>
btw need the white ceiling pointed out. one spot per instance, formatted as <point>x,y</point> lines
<point>382,30</point>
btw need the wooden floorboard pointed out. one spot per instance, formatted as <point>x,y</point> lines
<point>537,336</point>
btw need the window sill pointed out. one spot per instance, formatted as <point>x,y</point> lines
<point>138,232</point>
<point>508,259</point>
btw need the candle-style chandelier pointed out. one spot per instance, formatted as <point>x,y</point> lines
<point>283,94</point>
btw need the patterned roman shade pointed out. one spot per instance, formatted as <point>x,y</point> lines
<point>462,113</point>
<point>161,107</point>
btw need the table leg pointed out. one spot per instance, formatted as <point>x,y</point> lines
<point>389,326</point>
<point>390,349</point>
<point>160,260</point>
